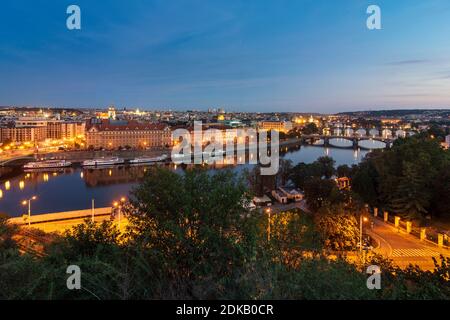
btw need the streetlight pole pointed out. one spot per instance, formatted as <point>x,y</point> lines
<point>361,220</point>
<point>93,210</point>
<point>29,212</point>
<point>118,205</point>
<point>360,232</point>
<point>122,200</point>
<point>28,201</point>
<point>268,223</point>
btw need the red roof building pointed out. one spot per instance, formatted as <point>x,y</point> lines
<point>113,134</point>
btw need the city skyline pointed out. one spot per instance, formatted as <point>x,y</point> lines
<point>302,56</point>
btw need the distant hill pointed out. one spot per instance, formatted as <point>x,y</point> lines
<point>399,113</point>
<point>24,109</point>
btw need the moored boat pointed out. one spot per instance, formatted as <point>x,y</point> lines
<point>47,164</point>
<point>102,162</point>
<point>148,159</point>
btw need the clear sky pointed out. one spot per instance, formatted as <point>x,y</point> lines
<point>249,55</point>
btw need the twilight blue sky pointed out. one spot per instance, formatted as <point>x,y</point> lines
<point>249,55</point>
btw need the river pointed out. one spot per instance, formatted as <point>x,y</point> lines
<point>74,188</point>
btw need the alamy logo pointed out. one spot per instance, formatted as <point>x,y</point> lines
<point>74,280</point>
<point>374,20</point>
<point>374,280</point>
<point>73,21</point>
<point>207,146</point>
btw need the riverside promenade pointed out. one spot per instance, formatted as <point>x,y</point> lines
<point>61,221</point>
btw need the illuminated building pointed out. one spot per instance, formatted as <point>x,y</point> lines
<point>65,129</point>
<point>446,144</point>
<point>275,125</point>
<point>31,129</point>
<point>343,183</point>
<point>112,134</point>
<point>23,134</point>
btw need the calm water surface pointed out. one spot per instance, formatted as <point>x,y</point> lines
<point>74,188</point>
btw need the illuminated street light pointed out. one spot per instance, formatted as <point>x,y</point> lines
<point>118,205</point>
<point>361,220</point>
<point>25,202</point>
<point>268,211</point>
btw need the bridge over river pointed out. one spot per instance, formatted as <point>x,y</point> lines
<point>334,137</point>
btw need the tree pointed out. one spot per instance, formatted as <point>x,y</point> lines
<point>285,169</point>
<point>411,199</point>
<point>440,205</point>
<point>344,171</point>
<point>259,183</point>
<point>365,183</point>
<point>326,166</point>
<point>322,167</point>
<point>337,228</point>
<point>403,178</point>
<point>7,232</point>
<point>300,174</point>
<point>292,232</point>
<point>310,128</point>
<point>198,228</point>
<point>321,192</point>
<point>88,239</point>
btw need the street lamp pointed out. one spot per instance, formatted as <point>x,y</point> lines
<point>118,205</point>
<point>268,211</point>
<point>25,202</point>
<point>361,220</point>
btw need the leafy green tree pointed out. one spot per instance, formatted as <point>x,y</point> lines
<point>440,205</point>
<point>403,178</point>
<point>285,169</point>
<point>322,192</point>
<point>88,239</point>
<point>7,232</point>
<point>291,233</point>
<point>365,183</point>
<point>337,228</point>
<point>197,227</point>
<point>411,199</point>
<point>300,174</point>
<point>318,278</point>
<point>310,128</point>
<point>326,166</point>
<point>344,171</point>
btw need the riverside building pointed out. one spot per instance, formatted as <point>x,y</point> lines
<point>114,134</point>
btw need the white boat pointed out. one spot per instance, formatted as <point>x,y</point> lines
<point>148,159</point>
<point>102,162</point>
<point>181,156</point>
<point>47,164</point>
<point>215,153</point>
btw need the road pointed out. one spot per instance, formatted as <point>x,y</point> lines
<point>402,248</point>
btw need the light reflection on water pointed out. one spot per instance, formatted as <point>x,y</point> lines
<point>74,188</point>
